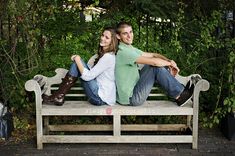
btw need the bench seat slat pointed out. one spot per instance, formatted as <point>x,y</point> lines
<point>81,88</point>
<point>85,108</point>
<point>84,95</point>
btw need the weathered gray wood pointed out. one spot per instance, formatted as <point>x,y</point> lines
<point>202,85</point>
<point>117,139</point>
<point>117,125</point>
<point>32,85</point>
<point>189,118</point>
<point>125,127</point>
<point>83,108</point>
<point>83,95</point>
<point>149,108</point>
<point>46,125</point>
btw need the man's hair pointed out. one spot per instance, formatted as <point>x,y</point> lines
<point>122,25</point>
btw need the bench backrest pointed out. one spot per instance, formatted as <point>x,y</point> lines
<point>77,93</point>
<point>49,84</point>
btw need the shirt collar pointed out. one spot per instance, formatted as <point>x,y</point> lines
<point>124,45</point>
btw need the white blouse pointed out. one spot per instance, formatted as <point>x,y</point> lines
<point>103,72</point>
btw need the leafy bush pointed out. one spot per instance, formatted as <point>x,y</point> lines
<point>39,36</point>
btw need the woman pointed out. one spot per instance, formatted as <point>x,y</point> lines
<point>98,80</point>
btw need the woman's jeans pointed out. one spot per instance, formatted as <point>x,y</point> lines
<point>150,75</point>
<point>90,87</point>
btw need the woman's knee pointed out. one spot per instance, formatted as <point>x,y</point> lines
<point>135,102</point>
<point>96,101</point>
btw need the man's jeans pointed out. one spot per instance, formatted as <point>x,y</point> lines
<point>90,87</point>
<point>150,75</point>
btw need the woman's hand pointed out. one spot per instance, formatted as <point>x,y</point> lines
<point>75,58</point>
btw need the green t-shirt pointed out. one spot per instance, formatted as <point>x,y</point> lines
<point>126,71</point>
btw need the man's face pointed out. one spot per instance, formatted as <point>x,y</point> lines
<point>126,35</point>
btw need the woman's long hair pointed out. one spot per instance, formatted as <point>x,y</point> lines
<point>113,45</point>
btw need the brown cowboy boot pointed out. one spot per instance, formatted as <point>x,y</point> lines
<point>57,98</point>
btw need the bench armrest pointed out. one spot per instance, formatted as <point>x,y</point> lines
<point>57,79</point>
<point>184,79</point>
<point>35,85</point>
<point>41,84</point>
<point>201,85</point>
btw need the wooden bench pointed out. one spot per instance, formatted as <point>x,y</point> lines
<point>45,130</point>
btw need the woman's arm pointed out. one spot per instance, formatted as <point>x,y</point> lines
<point>77,59</point>
<point>103,64</point>
<point>91,61</point>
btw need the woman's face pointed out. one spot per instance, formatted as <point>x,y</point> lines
<point>105,39</point>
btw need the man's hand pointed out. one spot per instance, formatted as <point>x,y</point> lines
<point>173,64</point>
<point>174,70</point>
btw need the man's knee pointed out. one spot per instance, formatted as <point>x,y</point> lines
<point>161,70</point>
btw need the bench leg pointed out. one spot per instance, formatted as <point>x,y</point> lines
<point>39,133</point>
<point>195,130</point>
<point>195,136</point>
<point>116,125</point>
<point>39,144</point>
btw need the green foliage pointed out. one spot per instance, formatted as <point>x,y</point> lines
<point>40,36</point>
<point>159,8</point>
<point>58,53</point>
<point>19,50</point>
<point>229,102</point>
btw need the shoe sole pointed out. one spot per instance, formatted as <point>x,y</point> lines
<point>52,103</point>
<point>186,102</point>
<point>48,103</point>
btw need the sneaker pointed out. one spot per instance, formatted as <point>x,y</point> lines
<point>185,96</point>
<point>188,85</point>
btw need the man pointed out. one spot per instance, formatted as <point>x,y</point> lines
<point>133,84</point>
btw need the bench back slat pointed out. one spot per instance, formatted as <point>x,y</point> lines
<point>78,91</point>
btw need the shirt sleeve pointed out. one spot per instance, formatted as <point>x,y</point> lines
<point>102,65</point>
<point>138,51</point>
<point>91,61</point>
<point>129,56</point>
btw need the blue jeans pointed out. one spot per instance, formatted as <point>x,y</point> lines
<point>150,75</point>
<point>90,87</point>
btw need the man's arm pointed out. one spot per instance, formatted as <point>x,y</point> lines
<point>152,61</point>
<point>156,55</point>
<point>159,60</point>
